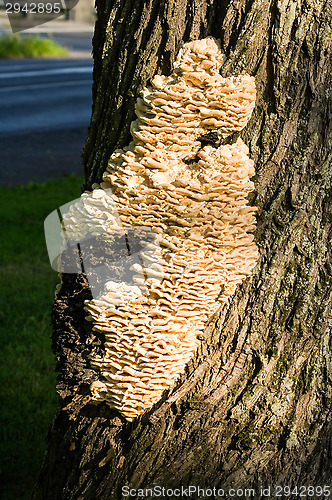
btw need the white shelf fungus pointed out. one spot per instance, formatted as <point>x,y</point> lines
<point>194,196</point>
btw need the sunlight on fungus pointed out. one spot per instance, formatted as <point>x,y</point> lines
<point>180,177</point>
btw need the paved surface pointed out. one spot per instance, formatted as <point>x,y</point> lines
<point>45,112</point>
<point>60,24</point>
<point>40,155</point>
<point>45,109</point>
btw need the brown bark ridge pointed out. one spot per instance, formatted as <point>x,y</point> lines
<point>254,406</point>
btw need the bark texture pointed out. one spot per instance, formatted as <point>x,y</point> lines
<point>254,406</point>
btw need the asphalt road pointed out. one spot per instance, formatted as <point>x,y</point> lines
<point>44,114</point>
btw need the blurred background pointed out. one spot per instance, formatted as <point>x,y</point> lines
<point>45,101</point>
<point>45,108</point>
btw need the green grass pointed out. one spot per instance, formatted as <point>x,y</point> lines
<point>15,46</point>
<point>27,378</point>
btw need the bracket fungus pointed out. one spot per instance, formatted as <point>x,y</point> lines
<point>180,177</point>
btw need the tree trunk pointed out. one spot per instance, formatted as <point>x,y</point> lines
<point>254,406</point>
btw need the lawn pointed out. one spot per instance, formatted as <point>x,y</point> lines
<point>14,46</point>
<point>27,378</point>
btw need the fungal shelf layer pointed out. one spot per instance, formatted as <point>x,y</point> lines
<point>194,198</point>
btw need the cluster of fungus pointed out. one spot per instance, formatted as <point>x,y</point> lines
<point>192,191</point>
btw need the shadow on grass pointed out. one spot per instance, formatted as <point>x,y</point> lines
<point>27,378</point>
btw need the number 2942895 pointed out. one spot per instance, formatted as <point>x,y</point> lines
<point>33,8</point>
<point>302,491</point>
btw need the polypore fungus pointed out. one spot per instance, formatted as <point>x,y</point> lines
<point>194,196</point>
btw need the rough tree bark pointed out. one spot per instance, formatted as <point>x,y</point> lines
<point>254,406</point>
